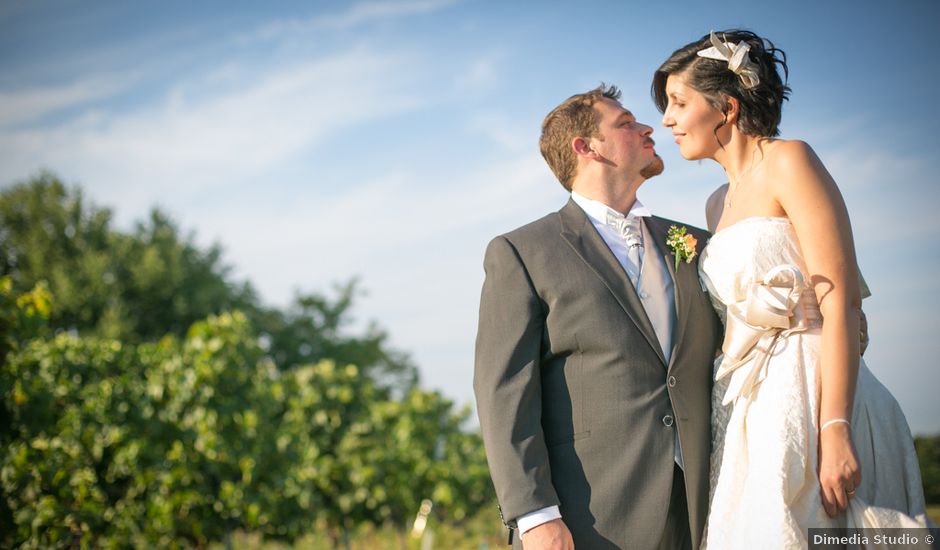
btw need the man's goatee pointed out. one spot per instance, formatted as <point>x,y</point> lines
<point>654,168</point>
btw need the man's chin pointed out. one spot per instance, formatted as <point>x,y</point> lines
<point>654,168</point>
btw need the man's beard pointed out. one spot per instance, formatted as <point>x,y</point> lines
<point>654,168</point>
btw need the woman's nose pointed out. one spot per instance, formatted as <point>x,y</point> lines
<point>667,119</point>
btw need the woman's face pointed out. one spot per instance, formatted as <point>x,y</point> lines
<point>692,119</point>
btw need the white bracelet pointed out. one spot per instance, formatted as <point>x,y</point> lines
<point>834,421</point>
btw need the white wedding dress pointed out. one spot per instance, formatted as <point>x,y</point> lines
<point>764,485</point>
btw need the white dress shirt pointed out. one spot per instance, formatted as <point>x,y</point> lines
<point>597,212</point>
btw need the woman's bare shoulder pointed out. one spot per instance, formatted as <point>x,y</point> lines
<point>790,153</point>
<point>714,206</point>
<point>794,165</point>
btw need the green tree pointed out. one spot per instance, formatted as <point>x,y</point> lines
<point>137,410</point>
<point>413,449</point>
<point>133,287</point>
<point>71,468</point>
<point>142,285</point>
<point>314,328</point>
<point>206,406</point>
<point>21,318</point>
<point>928,454</point>
<point>359,457</point>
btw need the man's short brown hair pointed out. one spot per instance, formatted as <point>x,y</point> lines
<point>575,117</point>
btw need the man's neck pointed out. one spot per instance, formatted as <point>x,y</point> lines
<point>618,197</point>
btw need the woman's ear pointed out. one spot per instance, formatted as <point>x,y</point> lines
<point>732,110</point>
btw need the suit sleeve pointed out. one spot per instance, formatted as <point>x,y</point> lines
<point>507,384</point>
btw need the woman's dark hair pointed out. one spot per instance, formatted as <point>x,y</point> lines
<point>760,106</point>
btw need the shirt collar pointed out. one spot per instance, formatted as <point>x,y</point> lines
<point>597,210</point>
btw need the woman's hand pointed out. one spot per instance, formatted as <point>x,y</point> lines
<point>839,473</point>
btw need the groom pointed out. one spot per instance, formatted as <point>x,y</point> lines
<point>594,352</point>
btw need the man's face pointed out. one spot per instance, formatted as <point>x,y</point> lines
<point>625,143</point>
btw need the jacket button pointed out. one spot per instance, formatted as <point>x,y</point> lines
<point>667,420</point>
<point>672,381</point>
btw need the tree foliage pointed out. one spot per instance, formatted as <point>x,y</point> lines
<point>928,454</point>
<point>147,400</point>
<point>182,441</point>
<point>130,286</point>
<point>142,285</point>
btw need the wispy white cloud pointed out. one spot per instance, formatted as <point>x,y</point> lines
<point>357,14</point>
<point>29,104</point>
<point>480,76</point>
<point>204,135</point>
<point>879,185</point>
<point>391,218</point>
<point>503,130</point>
<point>369,11</point>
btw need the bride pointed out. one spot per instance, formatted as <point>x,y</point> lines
<point>804,436</point>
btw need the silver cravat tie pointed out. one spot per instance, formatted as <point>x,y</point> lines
<point>628,227</point>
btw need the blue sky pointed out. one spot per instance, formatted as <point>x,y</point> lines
<point>318,141</point>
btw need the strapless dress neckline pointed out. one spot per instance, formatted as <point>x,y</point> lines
<point>751,219</point>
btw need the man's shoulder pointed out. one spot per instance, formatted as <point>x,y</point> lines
<point>547,223</point>
<point>542,228</point>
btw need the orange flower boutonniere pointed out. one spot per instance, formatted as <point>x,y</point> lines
<point>682,244</point>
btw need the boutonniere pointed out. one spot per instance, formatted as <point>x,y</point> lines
<point>681,243</point>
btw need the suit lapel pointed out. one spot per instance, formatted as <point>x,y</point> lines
<point>682,279</point>
<point>580,233</point>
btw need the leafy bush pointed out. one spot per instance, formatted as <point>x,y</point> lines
<point>178,443</point>
<point>146,399</point>
<point>928,454</point>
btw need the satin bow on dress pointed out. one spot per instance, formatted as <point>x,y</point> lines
<point>773,309</point>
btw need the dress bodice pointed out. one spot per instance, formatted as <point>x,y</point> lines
<point>741,254</point>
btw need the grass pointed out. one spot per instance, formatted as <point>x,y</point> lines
<point>482,532</point>
<point>485,531</point>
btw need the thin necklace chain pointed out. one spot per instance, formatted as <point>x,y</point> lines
<point>731,192</point>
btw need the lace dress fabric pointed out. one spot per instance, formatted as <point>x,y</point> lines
<point>763,480</point>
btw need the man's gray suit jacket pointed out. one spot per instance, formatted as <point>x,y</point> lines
<point>577,405</point>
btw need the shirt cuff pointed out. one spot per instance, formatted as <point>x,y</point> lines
<point>536,518</point>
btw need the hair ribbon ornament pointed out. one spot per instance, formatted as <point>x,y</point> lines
<point>736,57</point>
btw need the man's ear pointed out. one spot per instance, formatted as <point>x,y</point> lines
<point>582,147</point>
